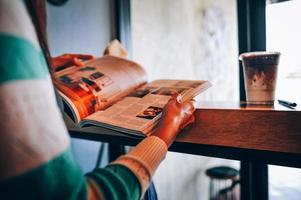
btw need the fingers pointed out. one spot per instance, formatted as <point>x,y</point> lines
<point>188,107</point>
<point>68,60</point>
<point>84,56</point>
<point>190,120</point>
<point>79,56</point>
<point>176,97</point>
<point>77,62</point>
<point>176,116</point>
<point>77,59</point>
<point>188,110</point>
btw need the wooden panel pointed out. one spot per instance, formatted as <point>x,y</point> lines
<point>261,129</point>
<point>228,130</point>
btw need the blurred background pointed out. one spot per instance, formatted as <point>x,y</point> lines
<point>189,39</point>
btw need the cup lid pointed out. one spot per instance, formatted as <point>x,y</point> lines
<point>256,54</point>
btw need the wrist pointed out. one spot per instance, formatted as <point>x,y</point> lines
<point>165,134</point>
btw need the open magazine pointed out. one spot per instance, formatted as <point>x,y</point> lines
<point>113,92</point>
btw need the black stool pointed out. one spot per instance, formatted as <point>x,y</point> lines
<point>223,179</point>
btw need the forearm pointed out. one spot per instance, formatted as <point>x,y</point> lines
<point>131,174</point>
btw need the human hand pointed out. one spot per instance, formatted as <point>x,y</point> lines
<point>67,60</point>
<point>176,115</point>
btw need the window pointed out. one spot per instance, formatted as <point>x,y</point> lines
<point>283,34</point>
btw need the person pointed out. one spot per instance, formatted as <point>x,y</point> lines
<point>35,157</point>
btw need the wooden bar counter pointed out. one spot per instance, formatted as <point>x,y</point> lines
<point>270,135</point>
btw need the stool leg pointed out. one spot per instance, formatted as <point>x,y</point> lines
<point>211,190</point>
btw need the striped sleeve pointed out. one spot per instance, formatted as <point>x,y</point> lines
<point>32,130</point>
<point>35,161</point>
<point>35,157</point>
<point>130,175</point>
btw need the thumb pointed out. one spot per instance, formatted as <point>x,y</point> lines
<point>77,62</point>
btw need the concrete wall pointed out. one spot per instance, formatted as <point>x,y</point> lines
<point>80,27</point>
<point>194,39</point>
<point>190,39</point>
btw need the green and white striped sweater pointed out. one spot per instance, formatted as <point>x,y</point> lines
<point>35,157</point>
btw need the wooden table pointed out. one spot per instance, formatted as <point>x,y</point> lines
<point>270,135</point>
<point>255,135</point>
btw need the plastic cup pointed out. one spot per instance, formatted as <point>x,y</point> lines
<point>260,76</point>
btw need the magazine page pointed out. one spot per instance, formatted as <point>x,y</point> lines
<point>70,108</point>
<point>98,84</point>
<point>141,110</point>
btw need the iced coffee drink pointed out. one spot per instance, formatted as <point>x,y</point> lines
<point>260,75</point>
